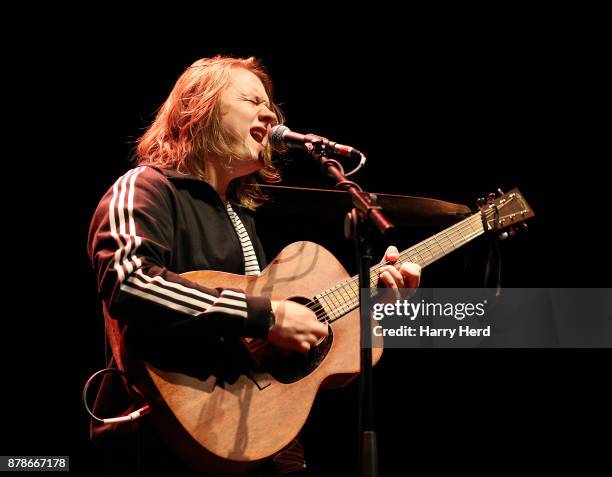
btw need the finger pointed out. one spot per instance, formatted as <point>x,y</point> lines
<point>411,273</point>
<point>396,277</point>
<point>321,331</point>
<point>387,280</point>
<point>391,254</point>
<point>310,338</point>
<point>314,326</point>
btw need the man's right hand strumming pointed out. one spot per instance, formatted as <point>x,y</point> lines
<point>296,327</point>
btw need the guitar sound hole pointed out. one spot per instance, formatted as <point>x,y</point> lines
<point>291,366</point>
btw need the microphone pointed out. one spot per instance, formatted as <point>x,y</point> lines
<point>282,139</point>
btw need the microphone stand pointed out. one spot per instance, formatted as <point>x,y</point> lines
<point>358,226</point>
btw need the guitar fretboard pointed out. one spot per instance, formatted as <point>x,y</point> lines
<point>344,296</point>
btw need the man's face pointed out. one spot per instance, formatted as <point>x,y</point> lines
<point>246,117</point>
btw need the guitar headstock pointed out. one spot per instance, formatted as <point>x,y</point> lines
<point>505,211</point>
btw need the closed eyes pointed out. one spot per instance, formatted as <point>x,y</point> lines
<point>257,100</point>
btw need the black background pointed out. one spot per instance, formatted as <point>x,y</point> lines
<point>450,111</point>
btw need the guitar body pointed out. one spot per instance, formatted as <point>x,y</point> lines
<point>227,429</point>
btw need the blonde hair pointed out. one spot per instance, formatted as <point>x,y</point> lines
<point>187,127</point>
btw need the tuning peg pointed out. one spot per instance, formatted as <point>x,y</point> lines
<point>500,192</point>
<point>491,198</point>
<point>503,236</point>
<point>480,202</point>
<point>512,231</point>
<point>525,226</point>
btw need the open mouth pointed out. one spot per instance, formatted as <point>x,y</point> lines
<point>258,134</point>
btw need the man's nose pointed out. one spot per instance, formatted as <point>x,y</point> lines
<point>267,117</point>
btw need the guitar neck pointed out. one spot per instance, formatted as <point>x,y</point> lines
<point>344,296</point>
<point>437,246</point>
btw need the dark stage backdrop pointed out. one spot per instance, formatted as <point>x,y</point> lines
<point>451,116</point>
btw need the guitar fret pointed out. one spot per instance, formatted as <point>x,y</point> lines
<point>330,302</point>
<point>472,226</point>
<point>344,294</point>
<point>339,299</point>
<point>354,290</point>
<point>462,241</point>
<point>329,309</point>
<point>413,258</point>
<point>324,303</point>
<point>420,259</point>
<point>449,240</point>
<point>334,296</point>
<point>429,252</point>
<point>437,242</point>
<point>340,296</point>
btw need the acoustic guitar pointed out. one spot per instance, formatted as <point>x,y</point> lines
<point>225,427</point>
